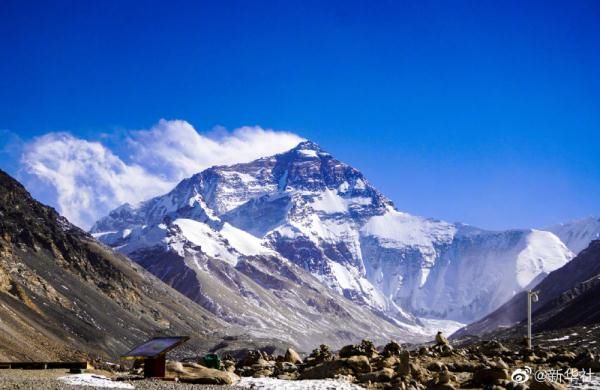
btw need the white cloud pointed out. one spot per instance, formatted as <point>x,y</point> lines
<point>88,180</point>
<point>177,150</point>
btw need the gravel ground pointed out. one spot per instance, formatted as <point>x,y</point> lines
<point>46,380</point>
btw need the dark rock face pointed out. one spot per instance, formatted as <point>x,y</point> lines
<point>63,295</point>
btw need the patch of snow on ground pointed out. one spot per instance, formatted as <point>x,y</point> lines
<point>360,184</point>
<point>209,241</point>
<point>308,153</point>
<point>424,275</point>
<point>560,338</point>
<point>349,278</point>
<point>330,202</point>
<point>279,384</point>
<point>360,200</point>
<point>591,383</point>
<point>343,276</point>
<point>242,241</point>
<point>244,177</point>
<point>93,381</point>
<point>374,296</point>
<point>101,234</point>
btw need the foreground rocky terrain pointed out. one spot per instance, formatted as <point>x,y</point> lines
<point>466,364</point>
<point>559,359</point>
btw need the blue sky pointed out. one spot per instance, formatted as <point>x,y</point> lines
<point>476,111</point>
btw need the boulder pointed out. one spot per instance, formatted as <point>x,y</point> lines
<point>359,364</point>
<point>418,373</point>
<point>440,339</point>
<point>392,349</point>
<point>499,363</point>
<point>444,350</point>
<point>208,376</point>
<point>251,358</point>
<point>493,348</point>
<point>319,355</point>
<point>587,360</point>
<point>383,375</point>
<point>440,386</point>
<point>444,376</point>
<point>193,365</point>
<point>436,366</point>
<point>292,356</point>
<point>285,367</point>
<point>228,365</point>
<point>389,362</point>
<point>517,386</point>
<point>565,357</point>
<point>326,369</point>
<point>404,367</point>
<point>262,363</point>
<point>263,368</point>
<point>366,348</point>
<point>531,358</point>
<point>174,368</point>
<point>292,376</point>
<point>490,376</point>
<point>463,367</point>
<point>263,373</point>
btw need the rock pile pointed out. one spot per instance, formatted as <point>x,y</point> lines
<point>439,366</point>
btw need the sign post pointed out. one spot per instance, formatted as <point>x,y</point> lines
<point>532,296</point>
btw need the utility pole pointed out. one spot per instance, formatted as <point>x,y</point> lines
<point>532,296</point>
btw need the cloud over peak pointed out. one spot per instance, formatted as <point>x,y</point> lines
<point>85,179</point>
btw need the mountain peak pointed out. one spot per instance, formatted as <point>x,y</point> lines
<point>308,145</point>
<point>307,149</point>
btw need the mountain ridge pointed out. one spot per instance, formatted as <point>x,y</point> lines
<point>577,234</point>
<point>322,215</point>
<point>63,295</point>
<point>567,297</point>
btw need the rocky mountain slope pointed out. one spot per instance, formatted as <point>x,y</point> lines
<point>63,295</point>
<point>567,297</point>
<point>305,207</point>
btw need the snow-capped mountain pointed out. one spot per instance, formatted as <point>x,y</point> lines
<point>306,208</point>
<point>577,235</point>
<point>568,297</point>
